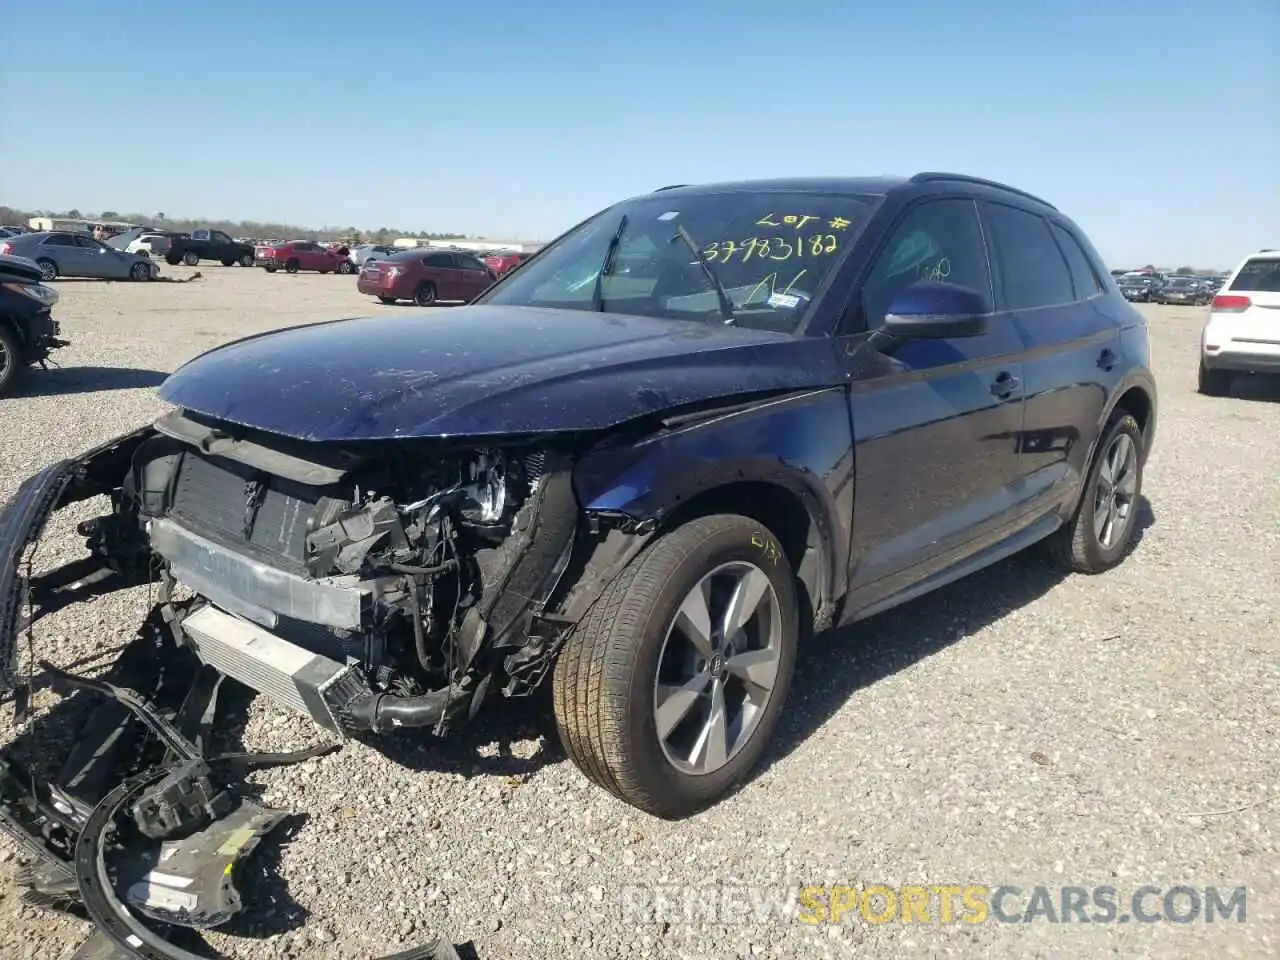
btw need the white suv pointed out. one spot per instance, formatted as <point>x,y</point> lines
<point>1243,332</point>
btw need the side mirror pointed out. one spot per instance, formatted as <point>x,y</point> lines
<point>935,310</point>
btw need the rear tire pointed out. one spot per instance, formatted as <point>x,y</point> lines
<point>387,300</point>
<point>346,266</point>
<point>191,258</point>
<point>246,260</point>
<point>48,269</point>
<point>10,358</point>
<point>292,266</point>
<point>228,263</point>
<point>425,295</point>
<point>607,698</point>
<point>1213,383</point>
<point>1113,488</point>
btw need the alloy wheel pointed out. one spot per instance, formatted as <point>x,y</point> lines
<point>717,668</point>
<point>1116,492</point>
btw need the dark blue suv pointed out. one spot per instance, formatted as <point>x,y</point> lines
<point>643,466</point>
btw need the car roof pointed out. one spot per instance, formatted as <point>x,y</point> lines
<point>850,186</point>
<point>878,186</point>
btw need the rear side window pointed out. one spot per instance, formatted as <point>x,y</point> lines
<point>1083,278</point>
<point>438,260</point>
<point>1259,274</point>
<point>1033,271</point>
<point>61,240</point>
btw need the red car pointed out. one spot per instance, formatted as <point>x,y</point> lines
<point>425,277</point>
<point>303,255</point>
<point>500,263</point>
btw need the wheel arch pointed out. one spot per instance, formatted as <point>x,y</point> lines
<point>725,462</point>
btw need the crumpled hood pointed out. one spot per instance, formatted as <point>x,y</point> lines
<point>485,370</point>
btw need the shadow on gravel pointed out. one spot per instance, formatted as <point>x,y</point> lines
<point>501,722</point>
<point>63,381</point>
<point>834,665</point>
<point>1255,388</point>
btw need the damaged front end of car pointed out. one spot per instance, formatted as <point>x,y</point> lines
<point>369,586</point>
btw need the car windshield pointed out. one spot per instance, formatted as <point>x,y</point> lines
<point>1261,275</point>
<point>768,251</point>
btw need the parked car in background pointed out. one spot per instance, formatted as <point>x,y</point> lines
<point>1242,334</point>
<point>297,255</point>
<point>1182,290</point>
<point>28,332</point>
<point>191,248</point>
<point>425,277</point>
<point>154,245</point>
<point>1139,287</point>
<point>142,240</point>
<point>363,253</point>
<point>78,255</point>
<point>500,263</point>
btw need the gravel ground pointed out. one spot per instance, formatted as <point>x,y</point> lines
<point>1016,728</point>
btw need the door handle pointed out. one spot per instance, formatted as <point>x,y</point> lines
<point>1004,385</point>
<point>1107,359</point>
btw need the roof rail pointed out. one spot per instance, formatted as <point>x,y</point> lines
<point>671,186</point>
<point>933,177</point>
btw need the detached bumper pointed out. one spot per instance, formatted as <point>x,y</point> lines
<point>21,522</point>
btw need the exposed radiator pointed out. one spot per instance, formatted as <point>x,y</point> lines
<point>287,673</point>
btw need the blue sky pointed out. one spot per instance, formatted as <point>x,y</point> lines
<point>1156,126</point>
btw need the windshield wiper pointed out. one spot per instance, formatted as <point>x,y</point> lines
<point>726,305</point>
<point>597,292</point>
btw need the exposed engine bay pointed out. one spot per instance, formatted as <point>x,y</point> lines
<point>368,589</point>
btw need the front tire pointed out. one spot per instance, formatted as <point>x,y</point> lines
<point>246,260</point>
<point>1098,535</point>
<point>670,689</point>
<point>140,272</point>
<point>1213,383</point>
<point>48,269</point>
<point>191,258</point>
<point>10,358</point>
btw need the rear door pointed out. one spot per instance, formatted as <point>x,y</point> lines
<point>1070,331</point>
<point>935,422</point>
<point>440,269</point>
<point>63,250</point>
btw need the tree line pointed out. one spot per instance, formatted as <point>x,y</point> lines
<point>237,228</point>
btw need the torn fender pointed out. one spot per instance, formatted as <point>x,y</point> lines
<point>23,519</point>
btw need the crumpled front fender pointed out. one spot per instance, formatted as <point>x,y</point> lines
<point>23,519</point>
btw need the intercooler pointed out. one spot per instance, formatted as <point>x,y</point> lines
<point>288,674</point>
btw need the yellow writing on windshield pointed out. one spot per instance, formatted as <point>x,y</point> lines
<point>798,221</point>
<point>768,286</point>
<point>771,248</point>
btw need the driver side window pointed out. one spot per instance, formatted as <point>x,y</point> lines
<point>937,240</point>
